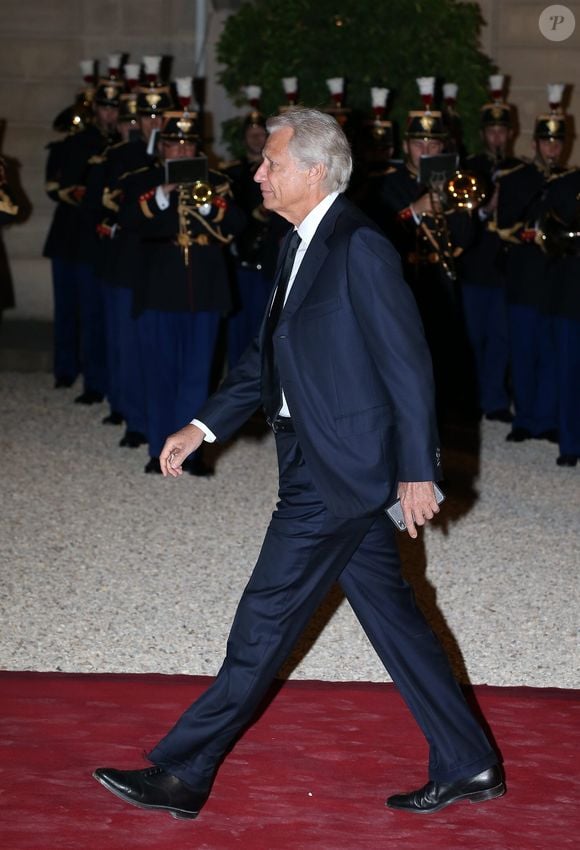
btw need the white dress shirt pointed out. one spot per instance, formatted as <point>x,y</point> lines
<point>306,230</point>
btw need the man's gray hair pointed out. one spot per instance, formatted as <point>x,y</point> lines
<point>317,139</point>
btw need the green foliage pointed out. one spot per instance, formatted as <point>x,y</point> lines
<point>369,42</point>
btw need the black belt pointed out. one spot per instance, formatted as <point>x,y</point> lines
<point>282,424</point>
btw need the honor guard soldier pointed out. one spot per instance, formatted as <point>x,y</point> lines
<point>81,237</point>
<point>256,248</point>
<point>373,149</point>
<point>141,112</point>
<point>482,265</point>
<point>184,224</point>
<point>59,248</point>
<point>558,234</point>
<point>429,238</point>
<point>521,202</point>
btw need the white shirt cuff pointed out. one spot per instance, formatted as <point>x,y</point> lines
<point>161,198</point>
<point>210,437</point>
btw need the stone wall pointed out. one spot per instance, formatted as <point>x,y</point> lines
<point>42,41</point>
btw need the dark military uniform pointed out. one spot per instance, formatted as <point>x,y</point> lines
<point>482,273</point>
<point>521,203</point>
<point>121,270</point>
<point>61,252</point>
<point>562,201</point>
<point>182,294</point>
<point>73,242</point>
<point>255,252</point>
<point>420,244</point>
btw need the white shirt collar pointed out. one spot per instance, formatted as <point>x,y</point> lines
<point>307,228</point>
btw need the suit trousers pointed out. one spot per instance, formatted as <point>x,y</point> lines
<point>307,549</point>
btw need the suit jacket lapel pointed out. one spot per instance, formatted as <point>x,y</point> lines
<point>315,255</point>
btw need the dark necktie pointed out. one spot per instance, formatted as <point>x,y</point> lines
<point>271,391</point>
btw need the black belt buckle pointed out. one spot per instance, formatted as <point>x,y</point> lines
<point>282,424</point>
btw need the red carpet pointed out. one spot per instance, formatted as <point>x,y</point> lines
<point>312,774</point>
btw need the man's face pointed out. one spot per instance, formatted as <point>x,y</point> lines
<point>550,150</point>
<point>106,116</point>
<point>255,139</point>
<point>416,148</point>
<point>148,123</point>
<point>496,137</point>
<point>284,183</point>
<point>178,149</point>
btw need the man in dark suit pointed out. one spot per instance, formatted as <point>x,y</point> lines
<point>343,371</point>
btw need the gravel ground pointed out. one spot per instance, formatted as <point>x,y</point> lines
<point>105,569</point>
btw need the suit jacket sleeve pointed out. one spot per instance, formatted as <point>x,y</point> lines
<point>387,313</point>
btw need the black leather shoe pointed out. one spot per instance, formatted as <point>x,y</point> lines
<point>89,397</point>
<point>114,418</point>
<point>567,460</point>
<point>503,415</point>
<point>153,466</point>
<point>436,795</point>
<point>518,435</point>
<point>133,439</point>
<point>152,788</point>
<point>61,383</point>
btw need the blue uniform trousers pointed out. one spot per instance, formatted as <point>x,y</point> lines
<point>125,370</point>
<point>253,290</point>
<point>131,371</point>
<point>93,335</point>
<point>485,312</point>
<point>66,297</point>
<point>177,352</point>
<point>113,333</point>
<point>307,549</point>
<point>533,369</point>
<point>567,343</point>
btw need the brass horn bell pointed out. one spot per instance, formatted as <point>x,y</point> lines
<point>465,191</point>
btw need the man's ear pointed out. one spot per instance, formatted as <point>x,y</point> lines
<point>316,173</point>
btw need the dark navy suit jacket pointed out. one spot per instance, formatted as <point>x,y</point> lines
<point>355,368</point>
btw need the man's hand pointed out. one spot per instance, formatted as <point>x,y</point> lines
<point>418,503</point>
<point>179,446</point>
